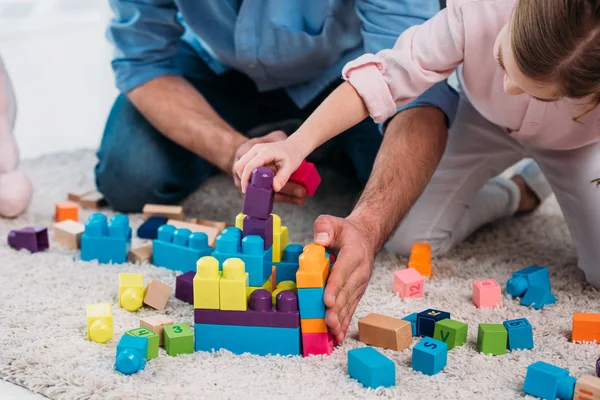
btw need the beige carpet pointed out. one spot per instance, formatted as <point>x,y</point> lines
<point>43,342</point>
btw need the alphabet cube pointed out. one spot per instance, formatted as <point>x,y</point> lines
<point>153,341</point>
<point>453,333</point>
<point>65,211</point>
<point>412,318</point>
<point>520,334</point>
<point>429,356</point>
<point>420,259</point>
<point>131,354</point>
<point>587,388</point>
<point>371,368</point>
<point>586,327</point>
<point>548,381</point>
<point>157,294</point>
<point>408,283</point>
<point>156,324</point>
<point>68,233</point>
<point>178,339</point>
<point>232,286</point>
<point>99,322</point>
<point>426,321</point>
<point>131,291</point>
<point>386,332</point>
<point>179,249</point>
<point>487,293</point>
<point>104,241</point>
<point>492,339</point>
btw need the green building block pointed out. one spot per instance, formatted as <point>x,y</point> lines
<point>179,339</point>
<point>153,340</point>
<point>492,339</point>
<point>453,333</point>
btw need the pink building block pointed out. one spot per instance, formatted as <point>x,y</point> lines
<point>408,283</point>
<point>317,343</point>
<point>487,293</point>
<point>307,176</point>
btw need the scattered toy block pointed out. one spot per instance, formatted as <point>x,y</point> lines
<point>93,199</point>
<point>179,249</point>
<point>218,225</point>
<point>311,303</point>
<point>153,341</point>
<point>280,239</point>
<point>532,284</point>
<point>426,321</point>
<point>587,388</point>
<point>453,333</point>
<point>317,344</point>
<point>313,325</point>
<point>492,339</point>
<point>68,233</point>
<point>149,229</point>
<point>32,239</point>
<point>157,294</point>
<point>178,339</point>
<point>239,221</point>
<point>420,259</point>
<point>313,267</point>
<point>206,284</point>
<point>307,176</point>
<point>140,255</point>
<point>408,283</point>
<point>131,354</point>
<point>184,287</point>
<point>77,195</point>
<point>487,294</point>
<point>586,327</point>
<point>66,210</point>
<point>260,227</point>
<point>520,334</point>
<point>211,232</point>
<point>156,324</point>
<point>232,286</point>
<point>131,291</point>
<point>99,322</point>
<point>412,318</point>
<point>548,381</point>
<point>429,356</point>
<point>258,201</point>
<point>106,242</point>
<point>158,210</point>
<point>371,368</point>
<point>289,264</point>
<point>386,332</point>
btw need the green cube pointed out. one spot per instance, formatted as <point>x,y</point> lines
<point>152,337</point>
<point>492,338</point>
<point>179,339</point>
<point>453,333</point>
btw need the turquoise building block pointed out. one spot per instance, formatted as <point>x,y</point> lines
<point>371,368</point>
<point>429,356</point>
<point>104,241</point>
<point>520,334</point>
<point>257,340</point>
<point>412,318</point>
<point>288,266</point>
<point>250,250</point>
<point>532,284</point>
<point>179,249</point>
<point>311,303</point>
<point>549,382</point>
<point>131,354</point>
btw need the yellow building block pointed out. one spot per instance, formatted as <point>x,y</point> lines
<point>99,322</point>
<point>206,283</point>
<point>233,285</point>
<point>313,325</point>
<point>314,267</point>
<point>131,291</point>
<point>239,221</point>
<point>285,285</point>
<point>250,289</point>
<point>280,238</point>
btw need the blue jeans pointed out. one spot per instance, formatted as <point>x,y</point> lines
<point>138,165</point>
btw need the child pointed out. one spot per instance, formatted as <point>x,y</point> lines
<point>530,81</point>
<point>15,187</point>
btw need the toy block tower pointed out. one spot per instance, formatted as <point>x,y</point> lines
<point>179,249</point>
<point>104,241</point>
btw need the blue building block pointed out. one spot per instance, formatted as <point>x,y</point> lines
<point>257,340</point>
<point>426,321</point>
<point>149,229</point>
<point>179,249</point>
<point>131,354</point>
<point>311,303</point>
<point>371,368</point>
<point>288,266</point>
<point>429,356</point>
<point>532,284</point>
<point>104,241</point>
<point>412,318</point>
<point>549,382</point>
<point>257,260</point>
<point>520,334</point>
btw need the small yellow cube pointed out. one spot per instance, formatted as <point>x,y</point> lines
<point>99,322</point>
<point>280,238</point>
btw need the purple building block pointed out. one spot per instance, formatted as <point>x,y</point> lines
<point>32,239</point>
<point>259,313</point>
<point>258,202</point>
<point>260,227</point>
<point>184,287</point>
<point>598,367</point>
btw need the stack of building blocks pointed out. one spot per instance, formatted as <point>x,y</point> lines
<point>153,341</point>
<point>184,287</point>
<point>408,283</point>
<point>104,241</point>
<point>156,324</point>
<point>158,210</point>
<point>532,285</point>
<point>549,382</point>
<point>32,239</point>
<point>179,249</point>
<point>429,356</point>
<point>156,294</point>
<point>492,339</point>
<point>258,206</point>
<point>307,176</point>
<point>210,231</point>
<point>420,259</point>
<point>178,339</point>
<point>586,327</point>
<point>140,255</point>
<point>68,233</point>
<point>587,388</point>
<point>427,319</point>
<point>131,354</point>
<point>131,291</point>
<point>451,332</point>
<point>383,331</point>
<point>65,211</point>
<point>520,334</point>
<point>487,293</point>
<point>371,368</point>
<point>99,322</point>
<point>149,229</point>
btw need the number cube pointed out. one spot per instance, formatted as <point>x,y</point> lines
<point>586,327</point>
<point>371,368</point>
<point>153,341</point>
<point>429,356</point>
<point>408,283</point>
<point>156,324</point>
<point>520,334</point>
<point>453,333</point>
<point>412,318</point>
<point>487,293</point>
<point>426,321</point>
<point>587,388</point>
<point>179,339</point>
<point>492,339</point>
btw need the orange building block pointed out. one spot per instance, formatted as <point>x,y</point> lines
<point>420,259</point>
<point>313,325</point>
<point>313,267</point>
<point>65,211</point>
<point>586,327</point>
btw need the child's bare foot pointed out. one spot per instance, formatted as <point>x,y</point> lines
<point>529,200</point>
<point>533,186</point>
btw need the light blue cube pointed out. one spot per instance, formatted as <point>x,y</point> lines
<point>412,318</point>
<point>429,356</point>
<point>131,354</point>
<point>520,334</point>
<point>371,368</point>
<point>549,382</point>
<point>310,302</point>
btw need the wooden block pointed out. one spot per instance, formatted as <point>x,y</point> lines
<point>66,210</point>
<point>587,388</point>
<point>94,199</point>
<point>453,333</point>
<point>68,233</point>
<point>211,232</point>
<point>156,324</point>
<point>220,225</point>
<point>408,283</point>
<point>487,294</point>
<point>140,254</point>
<point>157,210</point>
<point>420,258</point>
<point>383,331</point>
<point>76,195</point>
<point>156,294</point>
<point>586,327</point>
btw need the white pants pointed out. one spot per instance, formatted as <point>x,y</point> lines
<point>466,192</point>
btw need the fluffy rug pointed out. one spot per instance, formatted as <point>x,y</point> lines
<point>43,342</point>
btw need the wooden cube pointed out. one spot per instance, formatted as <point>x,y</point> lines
<point>157,210</point>
<point>156,324</point>
<point>66,210</point>
<point>487,293</point>
<point>383,331</point>
<point>140,255</point>
<point>453,333</point>
<point>93,199</point>
<point>408,283</point>
<point>157,294</point>
<point>68,233</point>
<point>587,388</point>
<point>586,327</point>
<point>492,339</point>
<point>420,259</point>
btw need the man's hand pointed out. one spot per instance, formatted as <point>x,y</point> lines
<point>292,192</point>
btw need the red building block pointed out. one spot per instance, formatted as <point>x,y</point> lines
<point>307,176</point>
<point>317,343</point>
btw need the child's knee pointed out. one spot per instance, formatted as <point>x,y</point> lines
<point>15,193</point>
<point>406,236</point>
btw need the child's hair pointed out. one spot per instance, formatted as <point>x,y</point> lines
<point>558,41</point>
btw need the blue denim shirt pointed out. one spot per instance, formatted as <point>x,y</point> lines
<point>298,45</point>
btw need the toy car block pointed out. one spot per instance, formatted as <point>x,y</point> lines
<point>104,241</point>
<point>487,293</point>
<point>285,285</point>
<point>258,201</point>
<point>532,284</point>
<point>77,195</point>
<point>131,354</point>
<point>586,327</point>
<point>289,264</point>
<point>408,283</point>
<point>179,249</point>
<point>184,287</point>
<point>93,199</point>
<point>386,332</point>
<point>131,291</point>
<point>429,356</point>
<point>548,381</point>
<point>520,334</point>
<point>313,267</point>
<point>156,324</point>
<point>178,339</point>
<point>317,344</point>
<point>307,176</point>
<point>211,232</point>
<point>99,322</point>
<point>68,233</point>
<point>66,210</point>
<point>239,221</point>
<point>259,227</point>
<point>587,388</point>
<point>451,332</point>
<point>157,294</point>
<point>280,239</point>
<point>313,325</point>
<point>492,339</point>
<point>420,259</point>
<point>158,210</point>
<point>371,368</point>
<point>153,341</point>
<point>311,303</point>
<point>426,321</point>
<point>412,318</point>
<point>206,284</point>
<point>238,339</point>
<point>140,255</point>
<point>149,229</point>
<point>32,239</point>
<point>232,286</point>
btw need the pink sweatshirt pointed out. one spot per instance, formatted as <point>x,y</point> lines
<point>462,36</point>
